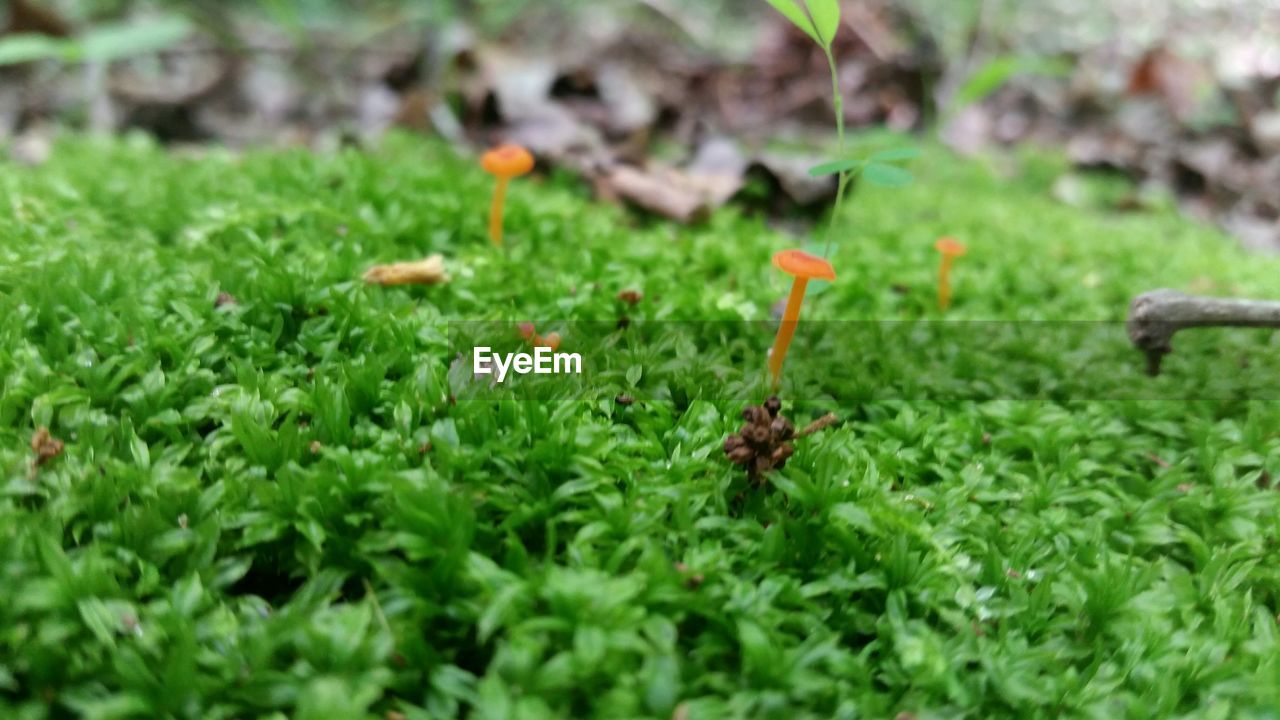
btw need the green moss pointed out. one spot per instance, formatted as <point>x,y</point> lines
<point>193,554</point>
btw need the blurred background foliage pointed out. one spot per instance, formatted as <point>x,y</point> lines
<point>1173,98</point>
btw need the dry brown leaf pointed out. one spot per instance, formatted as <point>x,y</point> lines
<point>790,174</point>
<point>27,17</point>
<point>720,168</point>
<point>422,272</point>
<point>45,445</point>
<point>663,191</point>
<point>1172,78</point>
<point>185,77</point>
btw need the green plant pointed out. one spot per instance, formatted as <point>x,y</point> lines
<point>998,71</point>
<point>820,20</point>
<point>269,505</point>
<point>879,168</point>
<point>104,43</point>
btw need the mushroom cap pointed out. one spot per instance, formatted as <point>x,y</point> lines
<point>526,329</point>
<point>950,246</point>
<point>507,161</point>
<point>801,264</point>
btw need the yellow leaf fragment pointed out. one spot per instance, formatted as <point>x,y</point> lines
<point>422,272</point>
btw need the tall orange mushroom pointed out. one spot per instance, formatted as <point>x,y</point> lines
<point>950,248</point>
<point>504,162</point>
<point>803,267</point>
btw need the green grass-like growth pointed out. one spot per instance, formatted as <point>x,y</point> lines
<point>272,509</point>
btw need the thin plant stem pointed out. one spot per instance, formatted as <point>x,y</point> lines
<point>835,212</point>
<point>837,101</point>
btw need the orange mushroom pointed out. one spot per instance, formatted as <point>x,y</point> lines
<point>950,249</point>
<point>530,333</point>
<point>803,267</point>
<point>503,162</point>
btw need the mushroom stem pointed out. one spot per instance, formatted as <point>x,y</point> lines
<point>495,211</point>
<point>944,283</point>
<point>787,329</point>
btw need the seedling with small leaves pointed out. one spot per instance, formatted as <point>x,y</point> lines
<point>820,20</point>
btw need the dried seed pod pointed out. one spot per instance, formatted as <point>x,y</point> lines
<point>760,445</point>
<point>782,428</point>
<point>773,405</point>
<point>757,435</point>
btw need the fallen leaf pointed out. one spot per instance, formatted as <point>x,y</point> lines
<point>790,174</point>
<point>629,105</point>
<point>661,190</point>
<point>1265,130</point>
<point>27,17</point>
<point>422,272</point>
<point>184,79</point>
<point>1175,80</point>
<point>719,169</point>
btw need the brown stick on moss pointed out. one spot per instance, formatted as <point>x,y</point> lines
<point>819,425</point>
<point>1155,316</point>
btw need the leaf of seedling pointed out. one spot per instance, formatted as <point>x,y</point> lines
<point>999,70</point>
<point>814,246</point>
<point>792,10</point>
<point>107,42</point>
<point>895,155</point>
<point>28,48</point>
<point>890,176</point>
<point>883,157</point>
<point>835,167</point>
<point>826,19</point>
<point>124,40</point>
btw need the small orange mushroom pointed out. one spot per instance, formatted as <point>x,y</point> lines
<point>950,249</point>
<point>803,267</point>
<point>530,333</point>
<point>503,162</point>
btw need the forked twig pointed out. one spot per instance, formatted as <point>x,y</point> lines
<point>1155,316</point>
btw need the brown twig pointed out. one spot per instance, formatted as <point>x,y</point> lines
<point>1155,316</point>
<point>819,425</point>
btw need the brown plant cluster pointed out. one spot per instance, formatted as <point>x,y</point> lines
<point>764,441</point>
<point>45,446</point>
